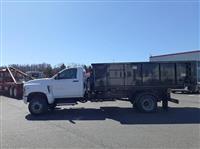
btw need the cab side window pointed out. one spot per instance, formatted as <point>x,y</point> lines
<point>68,74</point>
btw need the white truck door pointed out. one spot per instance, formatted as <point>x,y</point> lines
<point>67,84</point>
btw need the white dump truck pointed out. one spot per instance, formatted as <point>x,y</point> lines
<point>144,84</point>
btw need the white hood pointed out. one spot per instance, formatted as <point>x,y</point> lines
<point>38,81</point>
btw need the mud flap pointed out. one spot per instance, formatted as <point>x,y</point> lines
<point>165,104</point>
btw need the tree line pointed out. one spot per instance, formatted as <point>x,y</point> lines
<point>47,69</point>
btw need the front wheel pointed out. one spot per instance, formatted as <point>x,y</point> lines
<point>38,106</point>
<point>147,103</point>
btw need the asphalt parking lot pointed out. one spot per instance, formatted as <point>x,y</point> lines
<point>102,125</point>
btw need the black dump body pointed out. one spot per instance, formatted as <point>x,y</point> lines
<point>126,79</point>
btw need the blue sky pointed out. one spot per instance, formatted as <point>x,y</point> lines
<point>103,31</point>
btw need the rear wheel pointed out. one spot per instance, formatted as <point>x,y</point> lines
<point>38,105</point>
<point>147,103</point>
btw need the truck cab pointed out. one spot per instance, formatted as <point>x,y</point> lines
<point>66,85</point>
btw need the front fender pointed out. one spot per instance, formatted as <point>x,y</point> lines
<point>43,89</point>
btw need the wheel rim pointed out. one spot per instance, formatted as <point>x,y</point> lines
<point>36,107</point>
<point>147,104</point>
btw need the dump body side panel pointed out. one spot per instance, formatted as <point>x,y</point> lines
<point>125,79</point>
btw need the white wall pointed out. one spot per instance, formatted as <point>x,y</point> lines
<point>178,57</point>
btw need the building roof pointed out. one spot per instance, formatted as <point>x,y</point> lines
<point>181,53</point>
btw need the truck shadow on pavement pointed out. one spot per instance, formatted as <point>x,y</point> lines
<point>178,115</point>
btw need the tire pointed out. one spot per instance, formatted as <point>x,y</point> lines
<point>147,103</point>
<point>38,105</point>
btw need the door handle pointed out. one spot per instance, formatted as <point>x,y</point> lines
<point>75,80</point>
